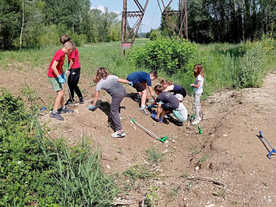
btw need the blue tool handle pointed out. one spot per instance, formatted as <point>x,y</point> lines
<point>261,134</point>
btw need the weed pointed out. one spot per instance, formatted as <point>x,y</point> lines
<point>186,175</point>
<point>203,158</point>
<point>154,156</point>
<point>188,185</point>
<point>194,150</point>
<point>174,192</point>
<point>221,193</point>
<point>38,170</point>
<point>151,196</point>
<point>138,172</point>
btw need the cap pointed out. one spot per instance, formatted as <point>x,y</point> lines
<point>179,97</point>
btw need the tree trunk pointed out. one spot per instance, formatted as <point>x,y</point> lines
<point>23,22</point>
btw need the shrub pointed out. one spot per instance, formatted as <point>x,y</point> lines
<point>37,171</point>
<point>169,55</point>
<point>251,71</point>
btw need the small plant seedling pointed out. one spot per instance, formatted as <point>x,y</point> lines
<point>153,155</point>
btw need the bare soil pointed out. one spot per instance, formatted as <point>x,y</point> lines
<point>226,165</point>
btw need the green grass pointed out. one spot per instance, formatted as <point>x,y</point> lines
<point>36,170</point>
<point>225,65</point>
<point>154,156</point>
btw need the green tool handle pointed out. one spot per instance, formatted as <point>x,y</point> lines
<point>199,128</point>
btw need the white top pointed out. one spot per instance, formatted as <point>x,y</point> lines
<point>200,89</point>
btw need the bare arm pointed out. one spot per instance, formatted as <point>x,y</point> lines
<point>120,80</point>
<point>196,86</point>
<point>96,96</point>
<point>151,92</point>
<point>54,67</point>
<point>169,88</point>
<point>71,63</point>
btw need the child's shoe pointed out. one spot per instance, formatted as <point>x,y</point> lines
<point>137,98</point>
<point>82,100</point>
<point>118,134</point>
<point>65,110</point>
<point>56,116</point>
<point>167,116</point>
<point>195,121</point>
<point>69,101</point>
<point>144,111</point>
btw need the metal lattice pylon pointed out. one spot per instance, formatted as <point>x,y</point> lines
<point>129,33</point>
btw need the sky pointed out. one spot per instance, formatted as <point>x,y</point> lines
<point>152,17</point>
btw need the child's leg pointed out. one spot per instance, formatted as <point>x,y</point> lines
<point>59,99</point>
<point>75,77</point>
<point>114,109</point>
<point>144,94</point>
<point>71,84</point>
<point>163,114</point>
<point>143,98</point>
<point>197,105</point>
<point>159,111</point>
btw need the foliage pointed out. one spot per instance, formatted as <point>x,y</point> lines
<point>251,73</point>
<point>154,34</point>
<point>169,55</point>
<point>36,170</point>
<point>151,196</point>
<point>154,156</point>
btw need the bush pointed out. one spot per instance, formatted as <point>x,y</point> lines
<point>251,71</point>
<point>35,170</point>
<point>169,55</point>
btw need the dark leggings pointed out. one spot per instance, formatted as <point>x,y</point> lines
<point>73,81</point>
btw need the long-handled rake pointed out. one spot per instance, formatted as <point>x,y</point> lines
<point>273,150</point>
<point>162,139</point>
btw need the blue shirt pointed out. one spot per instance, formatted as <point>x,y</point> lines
<point>139,77</point>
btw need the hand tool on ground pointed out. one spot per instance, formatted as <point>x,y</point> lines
<point>199,128</point>
<point>162,139</point>
<point>273,150</point>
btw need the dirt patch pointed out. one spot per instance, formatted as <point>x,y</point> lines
<point>226,165</point>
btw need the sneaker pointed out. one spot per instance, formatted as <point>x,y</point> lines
<point>118,134</point>
<point>195,121</point>
<point>65,110</point>
<point>82,100</point>
<point>167,116</point>
<point>144,111</point>
<point>56,116</point>
<point>69,101</point>
<point>137,98</point>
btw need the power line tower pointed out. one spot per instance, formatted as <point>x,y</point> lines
<point>176,27</point>
<point>129,33</point>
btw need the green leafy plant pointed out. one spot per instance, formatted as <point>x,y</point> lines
<point>36,170</point>
<point>151,196</point>
<point>169,55</point>
<point>154,156</point>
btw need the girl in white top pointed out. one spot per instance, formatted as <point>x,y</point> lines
<point>198,89</point>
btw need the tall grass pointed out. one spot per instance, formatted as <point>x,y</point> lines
<point>36,170</point>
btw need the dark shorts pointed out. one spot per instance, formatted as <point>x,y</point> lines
<point>139,87</point>
<point>166,107</point>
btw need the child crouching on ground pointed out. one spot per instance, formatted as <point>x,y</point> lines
<point>173,87</point>
<point>167,102</point>
<point>181,112</point>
